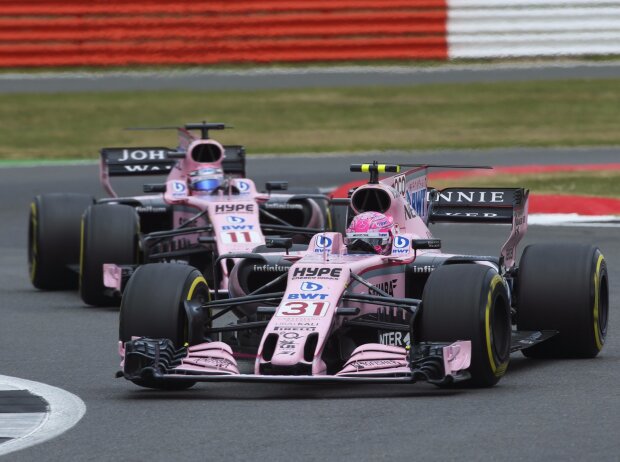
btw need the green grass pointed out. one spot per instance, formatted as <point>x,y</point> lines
<point>558,113</point>
<point>598,183</point>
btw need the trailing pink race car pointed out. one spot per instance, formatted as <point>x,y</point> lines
<point>381,303</point>
<point>205,208</point>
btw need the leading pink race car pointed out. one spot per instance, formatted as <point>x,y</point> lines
<point>381,303</point>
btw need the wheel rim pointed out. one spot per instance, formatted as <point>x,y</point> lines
<point>199,293</point>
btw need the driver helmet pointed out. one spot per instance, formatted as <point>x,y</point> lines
<point>205,180</point>
<point>370,231</point>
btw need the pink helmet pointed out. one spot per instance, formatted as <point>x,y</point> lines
<point>370,230</point>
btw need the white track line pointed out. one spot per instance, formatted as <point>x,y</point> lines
<point>65,410</point>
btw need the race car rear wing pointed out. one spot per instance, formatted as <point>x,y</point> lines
<point>475,205</point>
<point>143,161</point>
<point>484,205</point>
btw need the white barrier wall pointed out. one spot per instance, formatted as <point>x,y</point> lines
<point>512,28</point>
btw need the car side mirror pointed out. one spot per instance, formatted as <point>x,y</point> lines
<point>420,244</point>
<point>154,188</point>
<point>276,186</point>
<point>279,243</point>
<point>177,155</point>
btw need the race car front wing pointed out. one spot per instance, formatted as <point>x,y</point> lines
<point>159,360</point>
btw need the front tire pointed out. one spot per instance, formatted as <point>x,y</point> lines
<point>54,239</point>
<point>469,302</point>
<point>565,288</point>
<point>153,306</point>
<point>110,234</point>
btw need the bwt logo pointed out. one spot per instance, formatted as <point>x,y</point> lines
<point>235,220</point>
<point>401,242</point>
<point>310,286</point>
<point>307,296</point>
<point>243,186</point>
<point>322,244</point>
<point>237,227</point>
<point>178,187</point>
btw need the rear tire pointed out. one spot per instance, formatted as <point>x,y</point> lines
<point>565,288</point>
<point>469,302</point>
<point>54,239</point>
<point>153,306</point>
<point>110,234</point>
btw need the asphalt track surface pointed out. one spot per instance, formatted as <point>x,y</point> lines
<point>542,410</point>
<point>295,77</point>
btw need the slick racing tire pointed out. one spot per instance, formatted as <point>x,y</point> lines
<point>153,306</point>
<point>469,302</point>
<point>563,287</point>
<point>54,239</point>
<point>110,234</point>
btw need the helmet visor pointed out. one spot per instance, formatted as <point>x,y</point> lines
<point>373,239</point>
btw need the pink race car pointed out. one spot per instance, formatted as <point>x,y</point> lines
<point>205,208</point>
<point>381,303</point>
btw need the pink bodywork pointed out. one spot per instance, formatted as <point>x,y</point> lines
<point>318,279</point>
<point>315,285</point>
<point>112,276</point>
<point>234,217</point>
<point>209,358</point>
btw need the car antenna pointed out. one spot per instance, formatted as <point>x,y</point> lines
<point>375,168</point>
<point>205,126</point>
